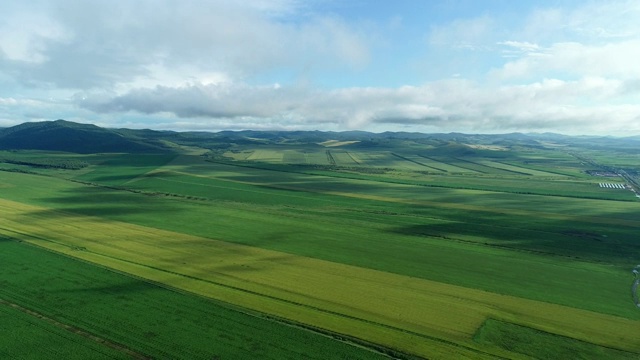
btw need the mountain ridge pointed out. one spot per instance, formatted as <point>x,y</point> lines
<point>63,135</point>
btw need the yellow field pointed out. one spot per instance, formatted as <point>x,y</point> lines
<point>266,156</point>
<point>335,143</point>
<point>423,317</point>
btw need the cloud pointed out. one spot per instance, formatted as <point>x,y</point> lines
<point>590,22</point>
<point>257,64</point>
<point>23,36</point>
<point>617,59</point>
<point>16,110</point>
<point>516,49</point>
<point>97,44</point>
<point>587,104</point>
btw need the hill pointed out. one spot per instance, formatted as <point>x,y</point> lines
<point>61,135</point>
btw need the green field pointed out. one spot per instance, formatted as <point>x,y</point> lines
<point>509,231</point>
<point>25,336</point>
<point>543,345</point>
<point>144,318</point>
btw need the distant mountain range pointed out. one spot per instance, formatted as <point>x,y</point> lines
<point>61,135</point>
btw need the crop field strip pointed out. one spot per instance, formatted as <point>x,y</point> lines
<point>160,256</point>
<point>518,168</point>
<point>71,329</point>
<point>494,170</point>
<point>577,189</point>
<point>294,157</point>
<point>542,345</point>
<point>379,333</point>
<point>578,210</point>
<point>510,229</point>
<point>25,335</point>
<point>156,321</point>
<point>372,158</point>
<point>418,162</point>
<point>457,350</point>
<point>411,199</point>
<point>279,224</point>
<point>577,219</point>
<point>342,158</point>
<point>554,167</point>
<point>447,165</point>
<point>266,155</point>
<point>266,184</point>
<point>218,172</point>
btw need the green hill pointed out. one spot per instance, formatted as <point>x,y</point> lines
<point>61,135</point>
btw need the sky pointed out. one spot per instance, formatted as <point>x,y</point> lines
<point>472,66</point>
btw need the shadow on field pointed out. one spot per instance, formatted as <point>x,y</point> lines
<point>95,201</point>
<point>97,211</point>
<point>576,239</point>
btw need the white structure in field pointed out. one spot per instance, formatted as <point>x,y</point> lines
<point>613,185</point>
<point>634,286</point>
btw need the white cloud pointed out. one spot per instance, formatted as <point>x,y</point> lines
<point>253,64</point>
<point>24,35</point>
<point>589,22</point>
<point>617,59</point>
<point>588,104</point>
<point>516,49</point>
<point>98,44</point>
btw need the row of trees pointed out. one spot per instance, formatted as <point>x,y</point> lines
<point>49,163</point>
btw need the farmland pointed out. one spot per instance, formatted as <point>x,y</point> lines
<point>403,248</point>
<point>173,325</point>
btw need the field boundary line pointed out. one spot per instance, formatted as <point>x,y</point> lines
<point>330,158</point>
<point>417,162</point>
<point>493,167</point>
<point>353,158</point>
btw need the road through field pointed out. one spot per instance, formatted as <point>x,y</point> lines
<point>423,317</point>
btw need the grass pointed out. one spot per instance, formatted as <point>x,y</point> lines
<point>397,310</point>
<point>416,173</point>
<point>147,319</point>
<point>525,237</point>
<point>444,232</point>
<point>543,345</point>
<point>24,336</point>
<point>118,169</point>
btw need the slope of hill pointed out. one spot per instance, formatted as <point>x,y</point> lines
<point>61,135</point>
